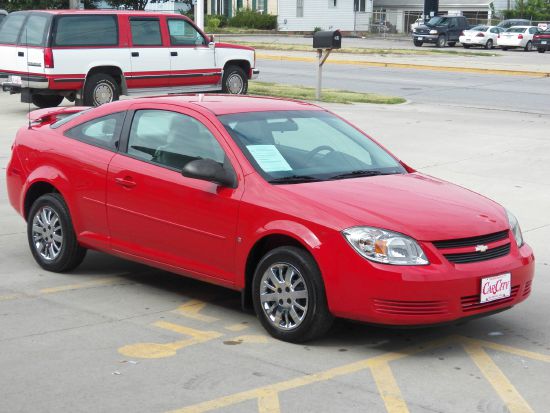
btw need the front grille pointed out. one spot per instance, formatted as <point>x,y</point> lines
<point>471,302</point>
<point>471,242</point>
<point>477,256</point>
<point>410,307</point>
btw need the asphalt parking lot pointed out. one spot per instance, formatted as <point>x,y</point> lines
<point>114,336</point>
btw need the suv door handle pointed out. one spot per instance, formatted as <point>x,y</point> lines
<point>173,53</point>
<point>135,54</point>
<point>20,54</point>
<point>125,182</point>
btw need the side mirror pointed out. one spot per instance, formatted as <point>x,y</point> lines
<point>211,171</point>
<point>211,38</point>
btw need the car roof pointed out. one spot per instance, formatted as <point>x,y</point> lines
<point>228,104</point>
<point>105,11</point>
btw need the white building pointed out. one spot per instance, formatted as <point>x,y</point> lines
<point>306,15</point>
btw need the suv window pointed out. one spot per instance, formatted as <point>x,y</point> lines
<point>102,132</point>
<point>9,31</point>
<point>146,32</point>
<point>86,30</point>
<point>34,31</point>
<point>171,139</point>
<point>183,33</point>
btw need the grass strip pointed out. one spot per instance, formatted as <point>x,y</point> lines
<point>327,95</point>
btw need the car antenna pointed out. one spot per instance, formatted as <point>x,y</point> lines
<point>28,73</point>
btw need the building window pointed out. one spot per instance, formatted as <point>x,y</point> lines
<point>332,3</point>
<point>299,8</point>
<point>360,5</point>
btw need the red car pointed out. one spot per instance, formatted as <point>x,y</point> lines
<point>282,200</point>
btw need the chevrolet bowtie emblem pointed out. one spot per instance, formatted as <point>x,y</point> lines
<point>481,248</point>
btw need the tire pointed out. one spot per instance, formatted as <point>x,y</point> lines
<point>541,50</point>
<point>235,81</point>
<point>489,44</point>
<point>303,289</point>
<point>65,253</point>
<point>466,46</point>
<point>528,46</point>
<point>441,41</point>
<point>99,89</point>
<point>504,48</point>
<point>418,43</point>
<point>46,101</point>
<point>451,44</point>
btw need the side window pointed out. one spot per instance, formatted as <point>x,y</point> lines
<point>183,33</point>
<point>453,24</point>
<point>86,30</point>
<point>171,139</point>
<point>101,132</point>
<point>34,31</point>
<point>146,32</point>
<point>533,30</point>
<point>9,31</point>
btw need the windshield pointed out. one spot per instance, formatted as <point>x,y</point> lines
<point>438,21</point>
<point>299,146</point>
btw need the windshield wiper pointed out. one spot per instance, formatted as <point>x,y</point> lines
<point>294,179</point>
<point>356,174</point>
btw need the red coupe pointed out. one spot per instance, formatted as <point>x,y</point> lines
<point>282,200</point>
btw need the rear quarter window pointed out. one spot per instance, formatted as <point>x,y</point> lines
<point>11,27</point>
<point>35,30</point>
<point>86,30</point>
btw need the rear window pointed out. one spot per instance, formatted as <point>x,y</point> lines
<point>35,29</point>
<point>9,31</point>
<point>86,30</point>
<point>516,30</point>
<point>480,28</point>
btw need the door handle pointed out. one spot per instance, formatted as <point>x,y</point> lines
<point>135,54</point>
<point>20,54</point>
<point>173,53</point>
<point>125,182</point>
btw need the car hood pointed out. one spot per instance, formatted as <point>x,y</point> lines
<point>425,208</point>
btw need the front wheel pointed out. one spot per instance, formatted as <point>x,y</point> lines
<point>100,89</point>
<point>235,81</point>
<point>441,41</point>
<point>418,43</point>
<point>51,235</point>
<point>289,295</point>
<point>46,101</point>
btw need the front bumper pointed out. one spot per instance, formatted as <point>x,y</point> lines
<point>426,38</point>
<point>440,292</point>
<point>255,74</point>
<point>537,44</point>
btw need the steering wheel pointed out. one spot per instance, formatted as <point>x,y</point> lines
<point>315,151</point>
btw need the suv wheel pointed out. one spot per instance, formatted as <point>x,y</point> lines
<point>451,44</point>
<point>541,50</point>
<point>528,46</point>
<point>418,43</point>
<point>441,41</point>
<point>46,101</point>
<point>489,44</point>
<point>51,235</point>
<point>100,89</point>
<point>289,295</point>
<point>235,81</point>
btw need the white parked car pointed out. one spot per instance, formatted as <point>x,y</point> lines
<point>484,36</point>
<point>416,23</point>
<point>518,36</point>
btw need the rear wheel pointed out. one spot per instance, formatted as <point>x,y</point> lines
<point>504,48</point>
<point>541,50</point>
<point>289,295</point>
<point>441,41</point>
<point>489,44</point>
<point>418,43</point>
<point>451,44</point>
<point>46,101</point>
<point>528,46</point>
<point>51,235</point>
<point>99,89</point>
<point>466,46</point>
<point>235,81</point>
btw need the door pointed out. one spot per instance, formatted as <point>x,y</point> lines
<point>156,213</point>
<point>454,30</point>
<point>150,59</point>
<point>192,59</point>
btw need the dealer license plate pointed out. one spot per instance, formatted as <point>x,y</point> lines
<point>495,288</point>
<point>419,37</point>
<point>16,80</point>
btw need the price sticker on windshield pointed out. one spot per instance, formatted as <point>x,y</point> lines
<point>269,158</point>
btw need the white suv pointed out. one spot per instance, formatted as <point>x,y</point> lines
<point>93,57</point>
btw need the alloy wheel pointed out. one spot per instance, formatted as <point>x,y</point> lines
<point>235,84</point>
<point>47,233</point>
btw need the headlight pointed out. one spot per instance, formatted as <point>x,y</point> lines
<point>514,226</point>
<point>433,31</point>
<point>383,246</point>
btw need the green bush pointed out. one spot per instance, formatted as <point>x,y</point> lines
<point>212,25</point>
<point>249,19</point>
<point>316,29</point>
<point>222,20</point>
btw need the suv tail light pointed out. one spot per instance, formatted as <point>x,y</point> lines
<point>520,36</point>
<point>48,58</point>
<point>480,35</point>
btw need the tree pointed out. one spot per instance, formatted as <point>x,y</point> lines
<point>14,5</point>
<point>536,10</point>
<point>129,4</point>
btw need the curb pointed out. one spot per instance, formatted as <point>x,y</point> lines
<point>504,72</point>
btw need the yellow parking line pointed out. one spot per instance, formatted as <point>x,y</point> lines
<point>237,327</point>
<point>407,66</point>
<point>11,297</point>
<point>87,284</point>
<point>507,349</point>
<point>252,339</point>
<point>192,309</point>
<point>388,388</point>
<point>160,350</point>
<point>497,379</point>
<point>269,403</point>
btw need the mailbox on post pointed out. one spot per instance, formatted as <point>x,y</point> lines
<point>324,42</point>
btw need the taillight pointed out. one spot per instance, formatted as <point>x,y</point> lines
<point>480,35</point>
<point>48,58</point>
<point>536,36</point>
<point>520,36</point>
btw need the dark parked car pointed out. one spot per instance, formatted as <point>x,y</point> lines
<point>506,24</point>
<point>541,41</point>
<point>441,30</point>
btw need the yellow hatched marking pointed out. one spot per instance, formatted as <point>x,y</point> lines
<point>506,349</point>
<point>388,388</point>
<point>252,339</point>
<point>192,309</point>
<point>160,350</point>
<point>11,297</point>
<point>497,379</point>
<point>88,284</point>
<point>237,327</point>
<point>269,403</point>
